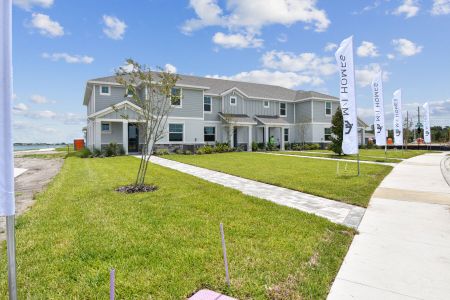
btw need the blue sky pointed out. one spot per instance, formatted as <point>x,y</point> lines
<point>60,44</point>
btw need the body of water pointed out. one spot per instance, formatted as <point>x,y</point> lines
<point>36,147</point>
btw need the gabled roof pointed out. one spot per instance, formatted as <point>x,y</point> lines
<point>237,119</point>
<point>272,120</point>
<point>218,86</point>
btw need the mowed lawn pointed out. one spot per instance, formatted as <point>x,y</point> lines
<point>378,155</point>
<point>313,176</point>
<point>166,244</point>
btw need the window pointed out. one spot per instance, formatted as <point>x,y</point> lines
<point>209,134</point>
<point>104,90</point>
<point>328,108</point>
<point>327,134</point>
<point>106,127</point>
<point>175,97</point>
<point>207,104</point>
<point>233,100</point>
<point>266,104</point>
<point>283,109</point>
<point>286,134</point>
<point>176,132</point>
<point>129,93</point>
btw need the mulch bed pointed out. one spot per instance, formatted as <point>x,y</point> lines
<point>131,189</point>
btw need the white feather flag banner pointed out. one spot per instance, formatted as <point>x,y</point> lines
<point>344,59</point>
<point>426,124</point>
<point>398,118</point>
<point>378,109</point>
<point>7,205</point>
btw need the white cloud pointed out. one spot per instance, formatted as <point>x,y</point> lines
<point>237,40</point>
<point>282,38</point>
<point>441,7</point>
<point>406,47</point>
<point>68,58</point>
<point>409,8</point>
<point>114,28</point>
<point>284,79</point>
<point>391,56</point>
<point>42,114</point>
<point>330,47</point>
<point>249,16</point>
<point>367,49</point>
<point>21,107</point>
<point>170,68</point>
<point>365,74</point>
<point>38,99</point>
<point>308,63</point>
<point>28,4</point>
<point>46,26</point>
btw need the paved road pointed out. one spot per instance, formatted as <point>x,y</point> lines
<point>337,212</point>
<point>403,249</point>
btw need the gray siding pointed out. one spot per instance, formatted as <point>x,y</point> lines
<point>303,112</point>
<point>290,112</point>
<point>102,101</point>
<point>256,107</point>
<point>319,111</point>
<point>233,109</point>
<point>192,105</point>
<point>121,113</point>
<point>216,107</point>
<point>115,136</point>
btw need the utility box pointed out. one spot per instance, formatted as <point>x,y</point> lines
<point>78,144</point>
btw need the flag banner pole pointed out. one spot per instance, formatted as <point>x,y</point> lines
<point>398,119</point>
<point>11,249</point>
<point>7,201</point>
<point>358,166</point>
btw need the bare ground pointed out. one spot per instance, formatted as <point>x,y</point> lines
<point>39,173</point>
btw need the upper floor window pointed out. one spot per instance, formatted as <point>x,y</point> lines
<point>266,104</point>
<point>207,104</point>
<point>328,108</point>
<point>283,109</point>
<point>233,100</point>
<point>176,132</point>
<point>327,134</point>
<point>209,134</point>
<point>129,93</point>
<point>286,134</point>
<point>105,90</point>
<point>106,127</point>
<point>175,97</point>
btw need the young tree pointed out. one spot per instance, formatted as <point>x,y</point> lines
<point>152,92</point>
<point>337,132</point>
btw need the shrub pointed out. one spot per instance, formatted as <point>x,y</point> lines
<point>314,147</point>
<point>96,152</point>
<point>261,146</point>
<point>221,148</point>
<point>112,149</point>
<point>187,152</point>
<point>255,146</point>
<point>179,151</point>
<point>161,152</point>
<point>287,146</point>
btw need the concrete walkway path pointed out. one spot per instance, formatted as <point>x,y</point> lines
<point>334,211</point>
<point>403,247</point>
<point>328,158</point>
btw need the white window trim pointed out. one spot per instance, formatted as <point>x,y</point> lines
<point>285,109</point>
<point>105,94</point>
<point>181,99</point>
<point>235,100</point>
<point>324,134</point>
<point>184,132</point>
<point>284,133</point>
<point>268,104</point>
<point>215,133</point>
<point>106,131</point>
<point>210,105</point>
<point>331,108</point>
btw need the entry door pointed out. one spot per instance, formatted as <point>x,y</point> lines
<point>235,137</point>
<point>133,138</point>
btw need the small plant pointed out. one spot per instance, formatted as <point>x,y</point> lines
<point>84,153</point>
<point>254,146</point>
<point>112,149</point>
<point>187,152</point>
<point>221,148</point>
<point>96,152</point>
<point>179,151</point>
<point>261,146</point>
<point>161,152</point>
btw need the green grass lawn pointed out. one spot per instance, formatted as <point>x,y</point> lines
<point>166,244</point>
<point>371,154</point>
<point>317,177</point>
<point>330,154</point>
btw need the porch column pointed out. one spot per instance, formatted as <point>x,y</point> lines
<point>125,136</point>
<point>282,139</point>
<point>98,134</point>
<point>363,136</point>
<point>230,135</point>
<point>266,134</point>
<point>249,147</point>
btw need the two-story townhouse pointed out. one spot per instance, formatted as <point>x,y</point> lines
<point>211,110</point>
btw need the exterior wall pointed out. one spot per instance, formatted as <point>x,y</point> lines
<point>191,104</point>
<point>102,101</point>
<point>115,136</point>
<point>233,109</point>
<point>319,110</point>
<point>119,115</point>
<point>290,112</point>
<point>303,112</point>
<point>256,107</point>
<point>318,133</point>
<point>216,106</point>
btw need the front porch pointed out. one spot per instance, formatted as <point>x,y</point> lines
<point>125,133</point>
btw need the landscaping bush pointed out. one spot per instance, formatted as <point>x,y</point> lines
<point>255,146</point>
<point>161,152</point>
<point>314,147</point>
<point>96,153</point>
<point>187,152</point>
<point>221,148</point>
<point>179,151</point>
<point>261,146</point>
<point>113,149</point>
<point>84,153</point>
<point>287,146</point>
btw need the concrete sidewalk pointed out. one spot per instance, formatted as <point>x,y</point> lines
<point>403,249</point>
<point>337,212</point>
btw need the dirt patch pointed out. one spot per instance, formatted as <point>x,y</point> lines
<point>39,173</point>
<point>131,189</point>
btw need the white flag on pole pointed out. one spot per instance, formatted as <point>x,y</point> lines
<point>7,205</point>
<point>378,108</point>
<point>398,118</point>
<point>344,59</point>
<point>426,124</point>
